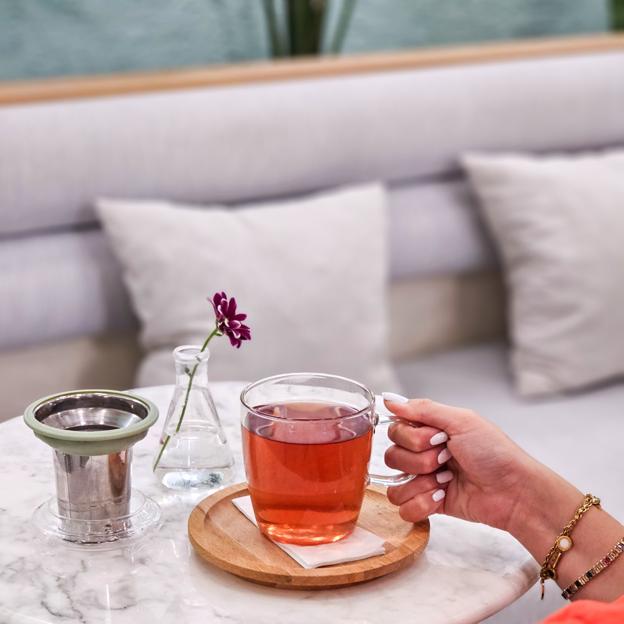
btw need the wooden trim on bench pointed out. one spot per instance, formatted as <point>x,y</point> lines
<point>18,92</point>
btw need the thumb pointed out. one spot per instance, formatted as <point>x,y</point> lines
<point>453,420</point>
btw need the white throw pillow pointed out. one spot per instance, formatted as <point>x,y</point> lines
<point>559,226</point>
<point>310,273</point>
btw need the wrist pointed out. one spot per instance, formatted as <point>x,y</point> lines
<point>544,506</point>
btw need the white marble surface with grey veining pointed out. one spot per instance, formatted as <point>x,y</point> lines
<point>467,572</point>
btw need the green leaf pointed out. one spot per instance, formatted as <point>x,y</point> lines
<point>275,38</point>
<point>617,14</point>
<point>344,20</point>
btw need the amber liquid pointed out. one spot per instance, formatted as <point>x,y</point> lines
<point>307,474</point>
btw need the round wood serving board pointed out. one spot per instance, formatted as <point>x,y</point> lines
<point>222,536</point>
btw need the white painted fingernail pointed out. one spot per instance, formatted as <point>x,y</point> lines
<point>444,477</point>
<point>438,438</point>
<point>393,397</point>
<point>444,456</point>
<point>438,495</point>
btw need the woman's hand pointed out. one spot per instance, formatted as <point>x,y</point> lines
<point>466,466</point>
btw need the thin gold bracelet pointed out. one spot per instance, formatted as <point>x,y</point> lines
<point>593,572</point>
<point>564,542</point>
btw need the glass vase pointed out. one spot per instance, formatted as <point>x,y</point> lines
<point>193,451</point>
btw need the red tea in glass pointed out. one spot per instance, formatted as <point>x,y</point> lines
<point>308,479</point>
<point>307,442</point>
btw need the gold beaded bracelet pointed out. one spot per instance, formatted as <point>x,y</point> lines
<point>564,542</point>
<point>599,566</point>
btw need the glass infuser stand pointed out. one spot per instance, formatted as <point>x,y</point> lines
<point>91,433</point>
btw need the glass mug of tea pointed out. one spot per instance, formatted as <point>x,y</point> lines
<point>307,441</point>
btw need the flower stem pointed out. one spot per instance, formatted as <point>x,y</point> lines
<point>163,446</point>
<point>191,375</point>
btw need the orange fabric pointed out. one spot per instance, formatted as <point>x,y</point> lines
<point>589,612</point>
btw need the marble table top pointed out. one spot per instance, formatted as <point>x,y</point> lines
<point>467,572</point>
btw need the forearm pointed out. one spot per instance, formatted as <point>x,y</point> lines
<point>544,508</point>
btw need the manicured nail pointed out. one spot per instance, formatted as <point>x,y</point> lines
<point>438,495</point>
<point>393,397</point>
<point>444,477</point>
<point>438,438</point>
<point>444,456</point>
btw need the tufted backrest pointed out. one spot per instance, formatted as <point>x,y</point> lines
<point>259,141</point>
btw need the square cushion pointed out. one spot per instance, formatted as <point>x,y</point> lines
<point>310,273</point>
<point>558,223</point>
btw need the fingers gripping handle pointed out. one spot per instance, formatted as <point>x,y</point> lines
<point>389,480</point>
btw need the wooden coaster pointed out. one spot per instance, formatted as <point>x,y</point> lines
<point>222,536</point>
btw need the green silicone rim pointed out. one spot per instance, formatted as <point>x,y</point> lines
<point>45,431</point>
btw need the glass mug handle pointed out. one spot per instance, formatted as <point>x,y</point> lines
<point>389,480</point>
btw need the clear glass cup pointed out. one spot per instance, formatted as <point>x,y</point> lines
<point>307,441</point>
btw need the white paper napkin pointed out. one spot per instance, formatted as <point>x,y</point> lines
<point>361,544</point>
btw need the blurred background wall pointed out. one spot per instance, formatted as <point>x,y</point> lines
<point>61,37</point>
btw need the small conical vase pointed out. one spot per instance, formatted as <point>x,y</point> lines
<point>193,452</point>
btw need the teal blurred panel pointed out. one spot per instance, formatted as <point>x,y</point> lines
<point>57,37</point>
<point>60,37</point>
<point>438,22</point>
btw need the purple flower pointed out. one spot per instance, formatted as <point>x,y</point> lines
<point>228,321</point>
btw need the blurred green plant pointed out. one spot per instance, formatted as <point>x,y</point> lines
<point>299,28</point>
<point>617,14</point>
